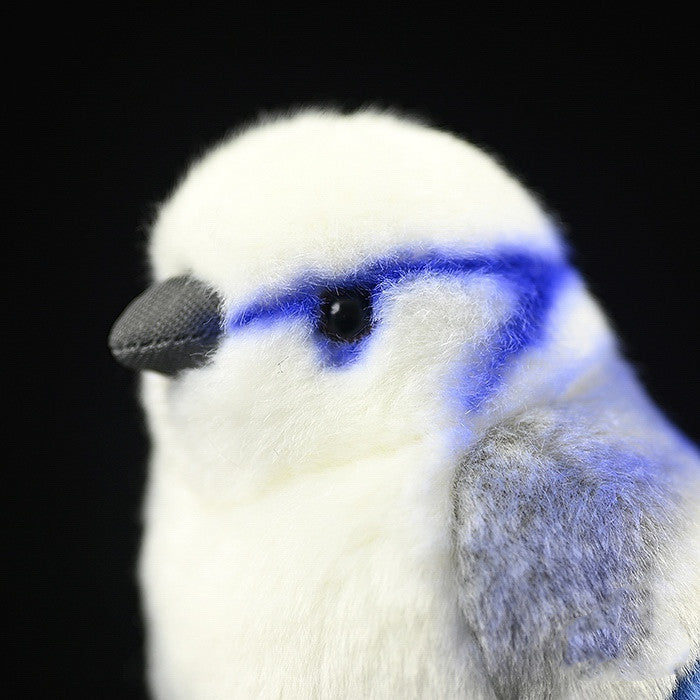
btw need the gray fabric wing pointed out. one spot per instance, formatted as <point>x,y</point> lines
<point>558,535</point>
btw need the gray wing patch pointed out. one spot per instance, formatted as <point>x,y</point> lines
<point>557,536</point>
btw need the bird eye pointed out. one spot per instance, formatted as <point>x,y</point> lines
<point>346,314</point>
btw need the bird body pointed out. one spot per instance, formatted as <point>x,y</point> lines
<point>413,463</point>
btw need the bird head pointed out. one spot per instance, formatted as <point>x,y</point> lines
<point>329,288</point>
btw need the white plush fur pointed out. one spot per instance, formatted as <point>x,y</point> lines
<point>324,191</point>
<point>298,517</point>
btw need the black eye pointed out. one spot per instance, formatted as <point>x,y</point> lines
<point>346,314</point>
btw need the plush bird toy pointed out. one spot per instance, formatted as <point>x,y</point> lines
<point>396,450</point>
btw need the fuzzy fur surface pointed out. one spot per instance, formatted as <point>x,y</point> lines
<point>365,528</point>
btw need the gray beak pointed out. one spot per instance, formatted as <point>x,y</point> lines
<point>172,326</point>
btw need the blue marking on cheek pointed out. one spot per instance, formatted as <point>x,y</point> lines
<point>535,283</point>
<point>533,278</point>
<point>334,354</point>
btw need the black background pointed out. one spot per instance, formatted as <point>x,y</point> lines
<point>596,114</point>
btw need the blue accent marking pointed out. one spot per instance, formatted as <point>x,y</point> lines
<point>688,687</point>
<point>535,280</point>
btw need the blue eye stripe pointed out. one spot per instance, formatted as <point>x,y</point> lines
<point>302,299</point>
<point>535,280</point>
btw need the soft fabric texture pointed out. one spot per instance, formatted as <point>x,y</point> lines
<point>476,499</point>
<point>552,511</point>
<point>170,327</point>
